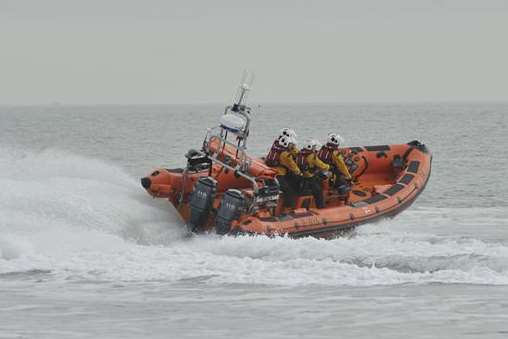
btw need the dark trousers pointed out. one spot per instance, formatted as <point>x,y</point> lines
<point>288,187</point>
<point>341,184</point>
<point>313,184</point>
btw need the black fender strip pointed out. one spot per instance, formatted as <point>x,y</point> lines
<point>394,189</point>
<point>374,199</point>
<point>406,179</point>
<point>378,148</point>
<point>413,166</point>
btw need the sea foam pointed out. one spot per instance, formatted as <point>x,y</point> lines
<point>82,218</point>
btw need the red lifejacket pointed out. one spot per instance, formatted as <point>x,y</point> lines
<point>301,160</point>
<point>272,159</point>
<point>326,152</point>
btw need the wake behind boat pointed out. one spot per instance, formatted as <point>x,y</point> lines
<point>223,189</point>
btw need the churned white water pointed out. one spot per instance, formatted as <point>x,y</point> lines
<point>85,252</point>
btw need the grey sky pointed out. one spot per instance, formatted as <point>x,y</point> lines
<point>119,51</point>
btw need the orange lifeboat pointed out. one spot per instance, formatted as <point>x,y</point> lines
<point>388,179</point>
<point>223,189</point>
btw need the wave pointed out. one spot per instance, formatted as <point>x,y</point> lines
<point>72,217</point>
<point>60,197</point>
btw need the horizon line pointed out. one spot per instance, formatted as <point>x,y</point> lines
<point>261,103</point>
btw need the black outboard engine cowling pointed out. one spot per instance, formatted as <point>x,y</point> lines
<point>201,201</point>
<point>231,207</point>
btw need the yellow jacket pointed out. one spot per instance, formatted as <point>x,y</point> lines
<point>338,162</point>
<point>288,162</point>
<point>312,161</point>
<point>294,151</point>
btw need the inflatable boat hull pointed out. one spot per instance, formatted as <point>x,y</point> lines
<point>388,180</point>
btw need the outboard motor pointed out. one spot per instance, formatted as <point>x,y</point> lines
<point>201,201</point>
<point>231,207</point>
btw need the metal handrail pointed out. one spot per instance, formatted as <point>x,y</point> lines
<point>240,150</point>
<point>246,114</point>
<point>237,171</point>
<point>241,157</point>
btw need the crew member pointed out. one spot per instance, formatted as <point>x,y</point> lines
<point>331,155</point>
<point>285,132</point>
<point>310,164</point>
<point>281,157</point>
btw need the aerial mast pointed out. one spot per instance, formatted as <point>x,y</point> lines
<point>242,93</point>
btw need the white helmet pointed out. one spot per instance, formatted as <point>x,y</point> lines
<point>335,139</point>
<point>284,141</point>
<point>308,145</point>
<point>312,145</point>
<point>317,144</point>
<point>287,132</point>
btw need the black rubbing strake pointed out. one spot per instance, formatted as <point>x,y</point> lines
<point>375,198</point>
<point>146,182</point>
<point>406,179</point>
<point>413,166</point>
<point>379,148</point>
<point>394,189</point>
<point>175,170</point>
<point>359,193</point>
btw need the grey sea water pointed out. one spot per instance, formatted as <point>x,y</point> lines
<point>85,253</point>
